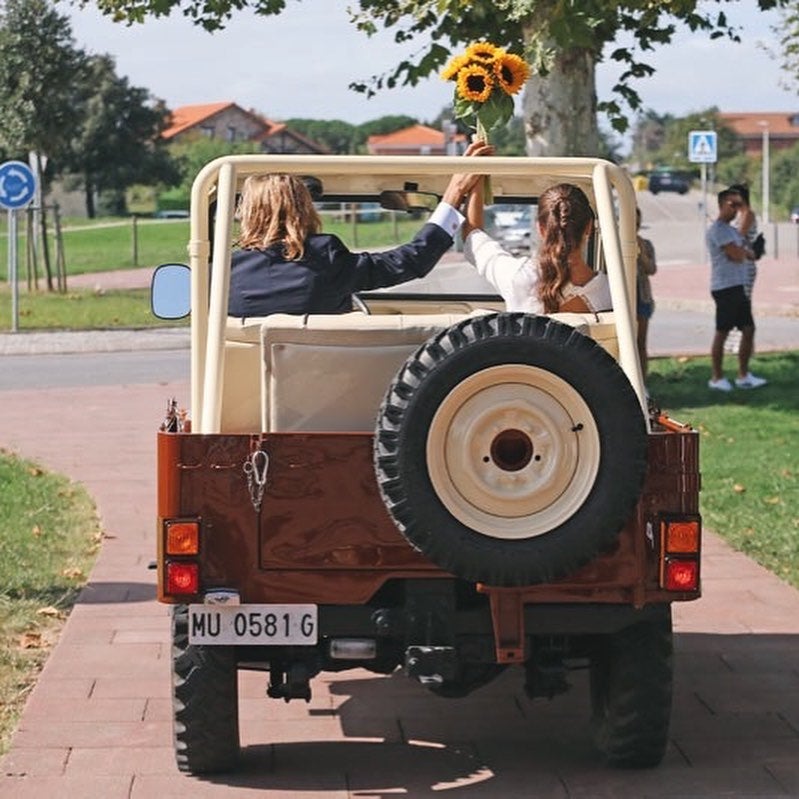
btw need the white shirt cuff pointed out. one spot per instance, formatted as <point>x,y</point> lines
<point>447,218</point>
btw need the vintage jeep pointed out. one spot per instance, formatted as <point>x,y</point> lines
<point>428,483</point>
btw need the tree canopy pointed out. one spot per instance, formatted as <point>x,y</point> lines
<point>117,143</point>
<point>57,101</point>
<point>544,31</point>
<point>39,70</point>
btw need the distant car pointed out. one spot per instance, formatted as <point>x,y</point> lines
<point>668,181</point>
<point>511,225</point>
<point>172,213</point>
<point>795,214</point>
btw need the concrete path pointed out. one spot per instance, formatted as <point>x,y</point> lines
<point>97,725</point>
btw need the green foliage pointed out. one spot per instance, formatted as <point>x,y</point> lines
<point>539,29</point>
<point>341,138</point>
<point>786,49</point>
<point>191,154</point>
<point>82,309</point>
<point>784,189</point>
<point>750,483</point>
<point>663,140</point>
<point>118,143</point>
<point>509,139</point>
<point>40,71</point>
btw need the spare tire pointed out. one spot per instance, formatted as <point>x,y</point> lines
<point>510,449</point>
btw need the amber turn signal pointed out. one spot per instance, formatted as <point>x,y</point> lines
<point>681,536</point>
<point>182,538</point>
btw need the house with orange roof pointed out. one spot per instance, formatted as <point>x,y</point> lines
<point>416,140</point>
<point>753,127</point>
<point>232,123</point>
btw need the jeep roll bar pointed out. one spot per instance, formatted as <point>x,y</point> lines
<point>220,180</point>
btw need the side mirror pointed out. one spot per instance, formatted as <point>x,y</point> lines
<point>170,291</point>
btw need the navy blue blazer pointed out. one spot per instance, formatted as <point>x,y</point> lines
<point>263,282</point>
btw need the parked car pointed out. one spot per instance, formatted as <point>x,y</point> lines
<point>511,225</point>
<point>795,214</point>
<point>668,180</point>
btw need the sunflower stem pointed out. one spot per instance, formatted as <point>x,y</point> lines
<point>481,134</point>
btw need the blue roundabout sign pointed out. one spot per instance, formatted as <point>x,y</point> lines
<point>17,185</point>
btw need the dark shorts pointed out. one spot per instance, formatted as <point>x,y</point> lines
<point>733,309</point>
<point>645,309</point>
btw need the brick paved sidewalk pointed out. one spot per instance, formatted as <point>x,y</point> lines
<point>97,724</point>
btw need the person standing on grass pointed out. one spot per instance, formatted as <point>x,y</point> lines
<point>729,254</point>
<point>644,301</point>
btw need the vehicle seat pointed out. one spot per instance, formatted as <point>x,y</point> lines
<point>330,372</point>
<point>599,326</point>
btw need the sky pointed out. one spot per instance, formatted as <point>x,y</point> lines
<point>300,63</point>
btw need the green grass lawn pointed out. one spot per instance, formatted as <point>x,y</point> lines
<point>81,310</point>
<point>749,445</point>
<point>50,536</point>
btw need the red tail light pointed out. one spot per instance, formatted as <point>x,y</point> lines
<point>182,578</point>
<point>681,575</point>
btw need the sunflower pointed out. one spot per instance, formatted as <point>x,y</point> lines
<point>483,51</point>
<point>511,72</point>
<point>475,83</point>
<point>455,65</point>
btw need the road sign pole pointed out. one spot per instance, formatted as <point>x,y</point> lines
<point>704,215</point>
<point>702,149</point>
<point>12,269</point>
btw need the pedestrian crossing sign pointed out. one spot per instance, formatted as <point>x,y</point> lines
<point>702,146</point>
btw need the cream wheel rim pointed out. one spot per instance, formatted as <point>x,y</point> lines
<point>513,451</point>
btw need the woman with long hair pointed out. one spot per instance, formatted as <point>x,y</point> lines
<point>286,264</point>
<point>559,278</point>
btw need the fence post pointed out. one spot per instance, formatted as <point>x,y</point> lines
<point>135,225</point>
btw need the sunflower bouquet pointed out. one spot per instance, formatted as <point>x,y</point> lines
<point>486,78</point>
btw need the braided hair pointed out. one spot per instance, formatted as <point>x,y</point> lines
<point>563,216</point>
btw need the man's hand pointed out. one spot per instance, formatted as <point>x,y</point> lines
<point>462,184</point>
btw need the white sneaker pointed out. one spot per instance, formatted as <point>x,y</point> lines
<point>750,381</point>
<point>722,384</point>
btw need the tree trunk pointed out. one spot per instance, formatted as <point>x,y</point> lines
<point>560,108</point>
<point>89,194</point>
<point>43,223</point>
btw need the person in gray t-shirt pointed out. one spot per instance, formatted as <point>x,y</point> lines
<point>729,254</point>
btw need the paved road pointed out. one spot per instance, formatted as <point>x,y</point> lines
<point>98,722</point>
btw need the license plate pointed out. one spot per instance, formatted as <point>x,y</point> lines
<point>269,625</point>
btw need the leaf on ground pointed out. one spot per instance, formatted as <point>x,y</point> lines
<point>73,573</point>
<point>30,641</point>
<point>50,611</point>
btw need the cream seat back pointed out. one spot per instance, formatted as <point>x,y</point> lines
<point>599,326</point>
<point>330,372</point>
<point>323,372</point>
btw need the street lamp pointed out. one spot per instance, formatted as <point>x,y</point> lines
<point>766,146</point>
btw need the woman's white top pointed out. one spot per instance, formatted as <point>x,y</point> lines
<point>516,278</point>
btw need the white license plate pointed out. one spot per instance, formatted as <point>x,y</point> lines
<point>269,625</point>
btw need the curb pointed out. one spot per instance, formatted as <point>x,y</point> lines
<point>78,341</point>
